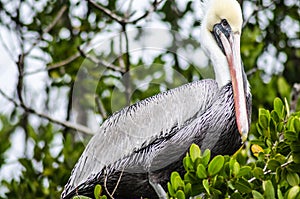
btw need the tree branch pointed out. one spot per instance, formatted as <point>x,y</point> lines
<point>48,28</point>
<point>100,62</point>
<point>55,65</point>
<point>295,97</point>
<point>67,124</point>
<point>250,72</point>
<point>124,20</point>
<point>100,107</point>
<point>269,171</point>
<point>255,11</point>
<point>127,66</point>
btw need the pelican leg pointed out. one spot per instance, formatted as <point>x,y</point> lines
<point>158,188</point>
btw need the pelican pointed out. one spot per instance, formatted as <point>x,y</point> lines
<point>138,147</point>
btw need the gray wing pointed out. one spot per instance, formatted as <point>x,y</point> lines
<point>135,126</point>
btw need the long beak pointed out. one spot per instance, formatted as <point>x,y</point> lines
<point>231,46</point>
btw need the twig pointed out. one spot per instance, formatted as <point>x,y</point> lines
<point>255,11</point>
<point>269,171</point>
<point>20,65</point>
<point>100,62</point>
<point>118,182</point>
<point>127,66</point>
<point>111,195</point>
<point>124,20</point>
<point>67,124</point>
<point>9,98</point>
<point>100,107</point>
<point>108,12</point>
<point>48,28</point>
<point>56,65</point>
<point>295,96</point>
<point>251,71</point>
<point>105,186</point>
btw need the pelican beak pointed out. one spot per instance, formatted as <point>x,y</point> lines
<point>229,42</point>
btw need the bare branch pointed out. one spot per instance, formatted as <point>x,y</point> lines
<point>67,124</point>
<point>152,9</point>
<point>48,28</point>
<point>118,182</point>
<point>100,62</point>
<point>108,12</point>
<point>56,65</point>
<point>295,96</point>
<point>111,195</point>
<point>255,11</point>
<point>20,65</point>
<point>127,66</point>
<point>16,104</point>
<point>251,71</point>
<point>105,186</point>
<point>269,171</point>
<point>100,107</point>
<point>124,20</point>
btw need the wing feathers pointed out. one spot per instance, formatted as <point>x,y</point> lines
<point>134,127</point>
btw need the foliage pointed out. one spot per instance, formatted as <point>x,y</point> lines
<point>272,172</point>
<point>97,194</point>
<point>45,42</point>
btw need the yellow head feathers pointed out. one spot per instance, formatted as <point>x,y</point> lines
<point>216,10</point>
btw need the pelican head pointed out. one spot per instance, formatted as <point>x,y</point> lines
<point>220,38</point>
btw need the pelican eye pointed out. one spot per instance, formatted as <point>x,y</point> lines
<point>224,23</point>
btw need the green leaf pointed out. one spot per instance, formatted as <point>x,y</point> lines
<point>245,170</point>
<point>188,188</point>
<point>294,192</point>
<point>296,157</point>
<point>287,107</point>
<point>264,118</point>
<point>195,152</point>
<point>243,186</point>
<point>236,168</point>
<point>215,165</point>
<point>258,172</point>
<point>176,180</point>
<point>236,195</point>
<point>180,194</point>
<point>171,190</point>
<point>205,157</point>
<point>257,195</point>
<point>297,125</point>
<point>177,183</point>
<point>269,192</point>
<point>279,108</point>
<point>187,163</point>
<point>290,136</point>
<point>206,185</point>
<point>97,191</point>
<point>292,179</point>
<point>201,171</point>
<point>279,193</point>
<point>273,165</point>
<point>275,117</point>
<point>295,146</point>
<point>81,197</point>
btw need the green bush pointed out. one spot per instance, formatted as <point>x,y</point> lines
<point>268,166</point>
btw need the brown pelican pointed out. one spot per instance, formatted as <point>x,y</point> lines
<point>138,147</point>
